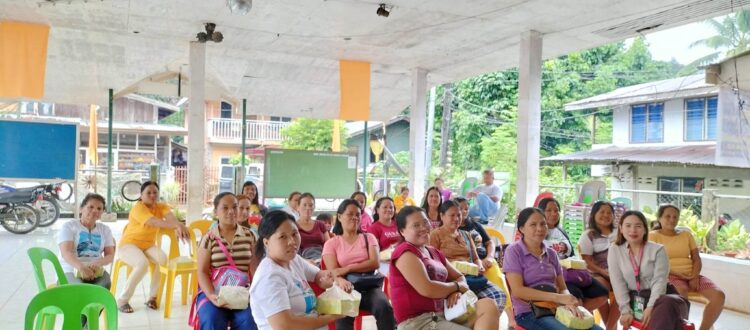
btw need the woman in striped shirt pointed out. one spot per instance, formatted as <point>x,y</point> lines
<point>239,242</point>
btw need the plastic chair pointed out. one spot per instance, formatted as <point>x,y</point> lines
<point>624,200</point>
<point>117,265</point>
<point>197,229</point>
<point>186,268</point>
<point>541,196</point>
<point>686,325</point>
<point>37,256</point>
<point>73,300</point>
<point>592,191</point>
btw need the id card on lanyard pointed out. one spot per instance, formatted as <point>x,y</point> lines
<point>638,303</point>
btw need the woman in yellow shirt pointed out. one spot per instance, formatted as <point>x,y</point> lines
<point>685,263</point>
<point>403,199</point>
<point>138,244</point>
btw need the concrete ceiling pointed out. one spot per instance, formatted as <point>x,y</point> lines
<point>283,55</point>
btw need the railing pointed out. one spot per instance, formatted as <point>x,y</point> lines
<point>258,130</point>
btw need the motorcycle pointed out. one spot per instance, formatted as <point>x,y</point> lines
<point>16,216</point>
<point>48,206</point>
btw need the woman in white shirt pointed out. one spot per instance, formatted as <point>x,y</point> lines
<point>292,203</point>
<point>86,246</point>
<point>280,295</point>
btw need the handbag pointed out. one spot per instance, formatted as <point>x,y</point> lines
<point>543,308</point>
<point>476,282</point>
<point>363,281</point>
<point>228,275</point>
<point>579,277</point>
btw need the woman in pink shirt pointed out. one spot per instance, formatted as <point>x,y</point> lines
<point>384,228</point>
<point>350,254</point>
<point>421,280</point>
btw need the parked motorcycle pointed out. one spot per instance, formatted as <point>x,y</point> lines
<point>15,215</point>
<point>48,207</point>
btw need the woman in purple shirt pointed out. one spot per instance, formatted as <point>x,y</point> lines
<point>534,274</point>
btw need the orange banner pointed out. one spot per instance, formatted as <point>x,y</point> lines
<point>355,90</point>
<point>93,136</point>
<point>23,59</point>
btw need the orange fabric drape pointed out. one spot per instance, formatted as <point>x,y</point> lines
<point>23,59</point>
<point>355,90</point>
<point>93,137</point>
<point>336,141</point>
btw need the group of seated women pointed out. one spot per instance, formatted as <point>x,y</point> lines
<point>629,276</point>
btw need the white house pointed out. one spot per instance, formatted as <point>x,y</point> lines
<point>665,137</point>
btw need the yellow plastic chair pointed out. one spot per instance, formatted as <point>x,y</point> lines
<point>183,266</point>
<point>494,233</point>
<point>117,266</point>
<point>198,229</point>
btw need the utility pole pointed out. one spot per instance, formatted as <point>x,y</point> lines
<point>445,127</point>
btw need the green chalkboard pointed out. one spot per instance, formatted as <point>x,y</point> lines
<point>322,173</point>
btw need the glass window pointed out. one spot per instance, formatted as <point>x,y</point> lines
<point>146,142</point>
<point>226,110</point>
<point>638,124</point>
<point>694,119</point>
<point>127,141</point>
<point>711,118</point>
<point>682,185</point>
<point>655,122</point>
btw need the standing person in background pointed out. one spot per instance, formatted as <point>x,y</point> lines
<point>431,205</point>
<point>250,190</point>
<point>313,234</point>
<point>487,198</point>
<point>594,244</point>
<point>591,295</point>
<point>138,243</point>
<point>639,271</point>
<point>292,203</point>
<point>403,199</point>
<point>281,296</point>
<point>365,218</point>
<point>445,193</point>
<point>685,263</point>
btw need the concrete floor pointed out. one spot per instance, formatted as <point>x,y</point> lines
<point>18,287</point>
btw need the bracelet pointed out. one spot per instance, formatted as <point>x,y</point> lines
<point>458,288</point>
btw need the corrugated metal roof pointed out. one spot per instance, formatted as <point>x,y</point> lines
<point>699,154</point>
<point>688,86</point>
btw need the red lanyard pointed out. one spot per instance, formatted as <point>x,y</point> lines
<point>636,267</point>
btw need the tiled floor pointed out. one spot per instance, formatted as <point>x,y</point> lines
<point>17,287</point>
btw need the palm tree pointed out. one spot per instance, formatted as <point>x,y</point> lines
<point>732,38</point>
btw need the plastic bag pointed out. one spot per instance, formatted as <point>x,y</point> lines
<point>572,263</point>
<point>586,321</point>
<point>335,301</point>
<point>385,255</point>
<point>466,268</point>
<point>463,309</point>
<point>235,297</point>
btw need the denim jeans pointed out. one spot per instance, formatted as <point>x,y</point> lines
<point>212,317</point>
<point>483,208</point>
<point>528,321</point>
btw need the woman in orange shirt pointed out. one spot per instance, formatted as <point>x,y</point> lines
<point>138,244</point>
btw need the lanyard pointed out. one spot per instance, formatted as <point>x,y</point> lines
<point>636,267</point>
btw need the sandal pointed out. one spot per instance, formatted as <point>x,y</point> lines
<point>151,303</point>
<point>125,308</point>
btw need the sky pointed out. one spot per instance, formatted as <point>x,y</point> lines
<point>675,42</point>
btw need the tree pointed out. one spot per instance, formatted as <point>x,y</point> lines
<point>310,134</point>
<point>237,159</point>
<point>732,37</point>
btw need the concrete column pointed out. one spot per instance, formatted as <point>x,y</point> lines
<point>529,118</point>
<point>417,130</point>
<point>430,132</point>
<point>196,131</point>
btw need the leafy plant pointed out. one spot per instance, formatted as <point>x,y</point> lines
<point>733,237</point>
<point>120,205</point>
<point>169,192</point>
<point>688,219</point>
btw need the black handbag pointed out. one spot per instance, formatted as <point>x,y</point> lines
<point>363,281</point>
<point>538,308</point>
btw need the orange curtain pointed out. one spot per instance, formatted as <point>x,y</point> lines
<point>336,141</point>
<point>355,90</point>
<point>23,59</point>
<point>93,137</point>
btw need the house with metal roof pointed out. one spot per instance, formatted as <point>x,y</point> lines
<point>667,136</point>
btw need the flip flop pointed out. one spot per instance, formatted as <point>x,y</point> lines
<point>125,308</point>
<point>151,303</point>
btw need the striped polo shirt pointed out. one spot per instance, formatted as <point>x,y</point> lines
<point>241,248</point>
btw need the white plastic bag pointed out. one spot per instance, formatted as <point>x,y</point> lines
<point>463,309</point>
<point>335,301</point>
<point>235,297</point>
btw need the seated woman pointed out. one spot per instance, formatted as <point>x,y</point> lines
<point>591,295</point>
<point>384,228</point>
<point>403,199</point>
<point>421,280</point>
<point>292,203</point>
<point>482,241</point>
<point>313,234</point>
<point>456,245</point>
<point>431,205</point>
<point>365,218</point>
<point>227,244</point>
<point>250,190</point>
<point>280,295</point>
<point>86,246</point>
<point>534,274</point>
<point>685,263</point>
<point>594,244</point>
<point>638,271</point>
<point>138,243</point>
<point>352,251</point>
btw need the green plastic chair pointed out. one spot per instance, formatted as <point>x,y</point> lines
<point>37,256</point>
<point>74,300</point>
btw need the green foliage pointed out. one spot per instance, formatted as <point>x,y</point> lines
<point>310,134</point>
<point>120,205</point>
<point>732,37</point>
<point>237,159</point>
<point>169,192</point>
<point>733,237</point>
<point>176,119</point>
